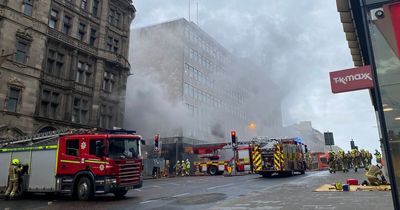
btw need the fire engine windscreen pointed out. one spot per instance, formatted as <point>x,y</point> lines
<point>122,148</point>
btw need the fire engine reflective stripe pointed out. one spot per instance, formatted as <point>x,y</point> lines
<point>27,148</point>
<point>256,157</point>
<point>70,161</point>
<point>96,161</point>
<point>282,158</point>
<point>277,158</point>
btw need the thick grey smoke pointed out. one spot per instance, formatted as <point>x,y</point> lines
<point>149,110</point>
<point>295,44</point>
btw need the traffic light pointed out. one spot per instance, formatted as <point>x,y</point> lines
<point>234,138</point>
<point>156,138</point>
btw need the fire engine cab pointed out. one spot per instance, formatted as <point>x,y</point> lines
<point>76,162</point>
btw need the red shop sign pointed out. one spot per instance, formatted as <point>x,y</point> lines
<point>351,79</point>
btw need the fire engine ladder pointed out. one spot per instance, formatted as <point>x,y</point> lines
<point>40,137</point>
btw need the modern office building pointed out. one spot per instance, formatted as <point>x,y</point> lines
<point>214,85</point>
<point>63,64</point>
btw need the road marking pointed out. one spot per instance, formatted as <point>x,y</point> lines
<point>143,202</point>
<point>179,195</point>
<point>226,185</point>
<point>138,190</point>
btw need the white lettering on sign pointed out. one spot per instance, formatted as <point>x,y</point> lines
<point>355,77</point>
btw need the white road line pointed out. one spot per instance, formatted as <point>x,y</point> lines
<point>226,185</point>
<point>179,195</point>
<point>147,201</point>
<point>138,190</point>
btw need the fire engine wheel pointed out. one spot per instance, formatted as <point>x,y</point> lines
<point>120,193</point>
<point>213,170</point>
<point>84,189</point>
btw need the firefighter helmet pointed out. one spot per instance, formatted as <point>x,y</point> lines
<point>15,161</point>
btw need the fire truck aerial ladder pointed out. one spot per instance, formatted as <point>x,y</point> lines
<point>78,162</point>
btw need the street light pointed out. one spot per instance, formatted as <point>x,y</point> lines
<point>252,126</point>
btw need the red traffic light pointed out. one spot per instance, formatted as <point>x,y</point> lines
<point>234,139</point>
<point>233,133</point>
<point>156,138</point>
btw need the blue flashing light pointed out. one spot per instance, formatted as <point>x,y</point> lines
<point>299,140</point>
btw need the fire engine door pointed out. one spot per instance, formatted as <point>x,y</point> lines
<point>70,160</point>
<point>95,162</point>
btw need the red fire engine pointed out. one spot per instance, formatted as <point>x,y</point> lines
<point>79,163</point>
<point>319,161</point>
<point>211,163</point>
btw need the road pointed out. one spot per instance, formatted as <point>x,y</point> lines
<point>199,192</point>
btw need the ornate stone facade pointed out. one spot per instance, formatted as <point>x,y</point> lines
<point>63,63</point>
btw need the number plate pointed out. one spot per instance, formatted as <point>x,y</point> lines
<point>129,188</point>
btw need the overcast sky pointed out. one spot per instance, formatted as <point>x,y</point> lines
<point>298,43</point>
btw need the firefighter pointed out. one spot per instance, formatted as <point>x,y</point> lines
<point>349,159</point>
<point>183,167</point>
<point>375,175</point>
<point>332,162</point>
<point>343,161</point>
<point>14,175</point>
<point>177,168</point>
<point>378,157</point>
<point>364,159</point>
<point>309,161</point>
<point>369,157</point>
<point>356,159</point>
<point>187,172</point>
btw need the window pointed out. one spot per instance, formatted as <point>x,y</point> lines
<point>116,45</point>
<point>80,110</point>
<point>92,39</point>
<point>109,43</point>
<point>28,5</point>
<point>50,104</point>
<point>92,145</point>
<point>72,147</point>
<point>117,18</point>
<point>67,24</point>
<point>13,99</point>
<point>114,17</point>
<point>108,82</point>
<point>55,63</point>
<point>95,8</point>
<point>111,16</point>
<point>106,116</point>
<point>84,4</point>
<point>83,74</point>
<point>22,51</point>
<point>81,31</point>
<point>53,18</point>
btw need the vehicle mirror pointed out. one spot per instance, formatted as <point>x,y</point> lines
<point>99,149</point>
<point>142,141</point>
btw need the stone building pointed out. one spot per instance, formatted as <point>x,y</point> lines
<point>63,64</point>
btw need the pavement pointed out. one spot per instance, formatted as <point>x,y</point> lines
<point>219,192</point>
<point>298,194</point>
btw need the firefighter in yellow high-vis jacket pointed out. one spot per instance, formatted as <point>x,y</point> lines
<point>14,172</point>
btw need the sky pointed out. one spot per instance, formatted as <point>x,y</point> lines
<point>297,43</point>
